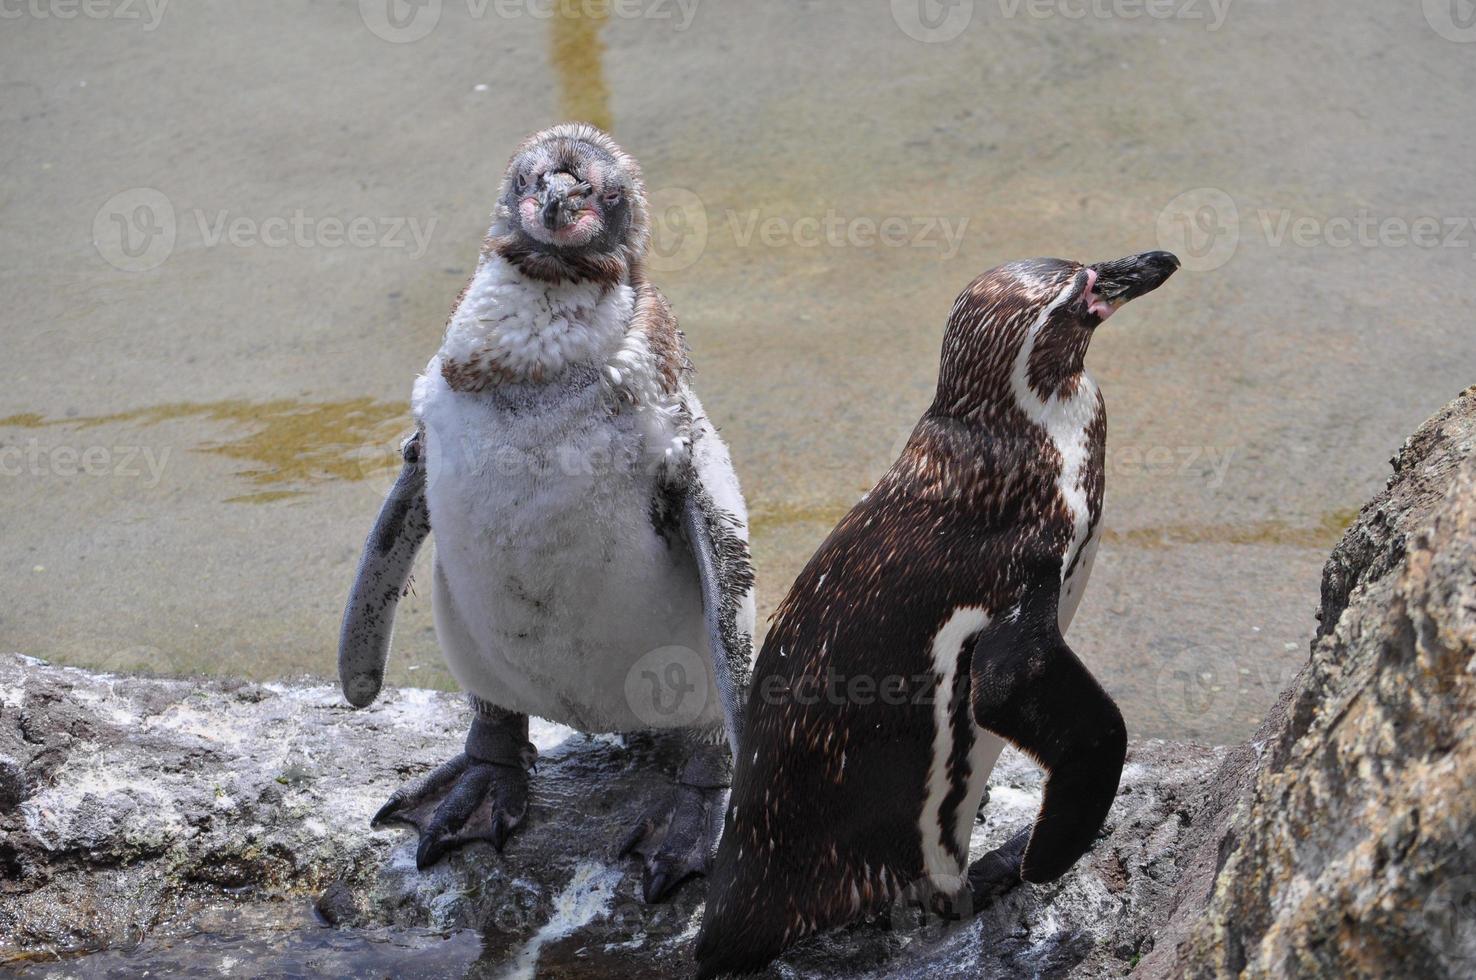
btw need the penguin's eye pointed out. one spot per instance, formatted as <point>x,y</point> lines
<point>611,198</point>
<point>520,184</point>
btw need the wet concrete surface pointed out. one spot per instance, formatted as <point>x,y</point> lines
<point>229,236</point>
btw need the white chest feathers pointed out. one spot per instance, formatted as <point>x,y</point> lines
<point>1067,421</point>
<point>518,334</point>
<point>511,328</point>
<point>549,433</point>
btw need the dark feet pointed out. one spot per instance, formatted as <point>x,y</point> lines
<point>480,795</point>
<point>678,838</point>
<point>998,871</point>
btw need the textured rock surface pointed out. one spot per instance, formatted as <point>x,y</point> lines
<point>212,821</point>
<point>220,828</point>
<point>1354,853</point>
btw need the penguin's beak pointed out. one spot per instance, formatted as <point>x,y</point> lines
<point>1111,284</point>
<point>560,199</point>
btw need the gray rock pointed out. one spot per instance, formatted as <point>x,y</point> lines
<point>14,786</point>
<point>1353,853</point>
<point>206,821</point>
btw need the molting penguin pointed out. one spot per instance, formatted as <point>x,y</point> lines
<point>586,516</point>
<point>927,631</point>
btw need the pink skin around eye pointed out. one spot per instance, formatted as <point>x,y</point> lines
<point>1094,303</point>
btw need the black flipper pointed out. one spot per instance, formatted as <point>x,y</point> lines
<point>369,618</point>
<point>1031,690</point>
<point>678,838</point>
<point>727,576</point>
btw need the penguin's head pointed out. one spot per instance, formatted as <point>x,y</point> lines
<point>1030,322</point>
<point>572,208</point>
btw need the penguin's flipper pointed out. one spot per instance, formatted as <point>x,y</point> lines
<point>727,580</point>
<point>677,838</point>
<point>384,568</point>
<point>1031,690</point>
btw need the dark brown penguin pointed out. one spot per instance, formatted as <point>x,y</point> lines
<point>927,631</point>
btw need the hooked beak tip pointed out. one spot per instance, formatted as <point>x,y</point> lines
<point>1111,284</point>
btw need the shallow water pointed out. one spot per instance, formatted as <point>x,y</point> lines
<point>201,405</point>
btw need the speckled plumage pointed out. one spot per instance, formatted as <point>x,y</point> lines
<point>843,804</point>
<point>585,512</point>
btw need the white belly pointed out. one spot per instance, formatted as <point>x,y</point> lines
<point>551,582</point>
<point>1073,586</point>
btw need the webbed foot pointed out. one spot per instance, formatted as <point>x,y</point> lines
<point>481,795</point>
<point>678,837</point>
<point>998,871</point>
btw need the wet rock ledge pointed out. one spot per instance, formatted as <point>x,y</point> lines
<point>222,829</point>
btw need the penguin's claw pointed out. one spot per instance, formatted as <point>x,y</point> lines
<point>677,840</point>
<point>998,871</point>
<point>461,801</point>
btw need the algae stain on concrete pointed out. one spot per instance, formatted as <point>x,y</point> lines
<point>577,53</point>
<point>290,445</point>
